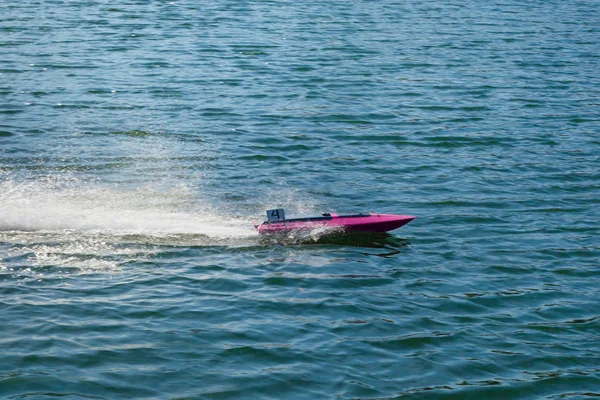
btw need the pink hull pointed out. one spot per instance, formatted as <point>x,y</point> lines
<point>350,223</point>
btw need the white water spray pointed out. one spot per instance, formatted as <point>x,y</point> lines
<point>62,204</point>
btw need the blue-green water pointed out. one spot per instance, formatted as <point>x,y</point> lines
<point>139,140</point>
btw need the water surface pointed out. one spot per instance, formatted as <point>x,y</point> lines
<point>140,141</point>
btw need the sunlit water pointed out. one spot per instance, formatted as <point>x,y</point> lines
<point>140,142</point>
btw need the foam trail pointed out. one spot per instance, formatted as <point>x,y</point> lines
<point>59,204</point>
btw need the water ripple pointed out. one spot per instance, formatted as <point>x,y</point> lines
<point>140,141</point>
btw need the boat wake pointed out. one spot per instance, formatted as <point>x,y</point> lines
<point>65,222</point>
<point>69,205</point>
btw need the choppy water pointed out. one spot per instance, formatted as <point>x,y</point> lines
<point>139,140</point>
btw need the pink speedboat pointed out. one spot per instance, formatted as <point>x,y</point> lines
<point>362,222</point>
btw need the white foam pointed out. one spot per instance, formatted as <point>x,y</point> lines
<point>59,204</point>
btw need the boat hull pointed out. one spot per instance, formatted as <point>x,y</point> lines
<point>351,223</point>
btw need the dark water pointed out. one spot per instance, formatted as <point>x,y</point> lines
<point>140,139</point>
